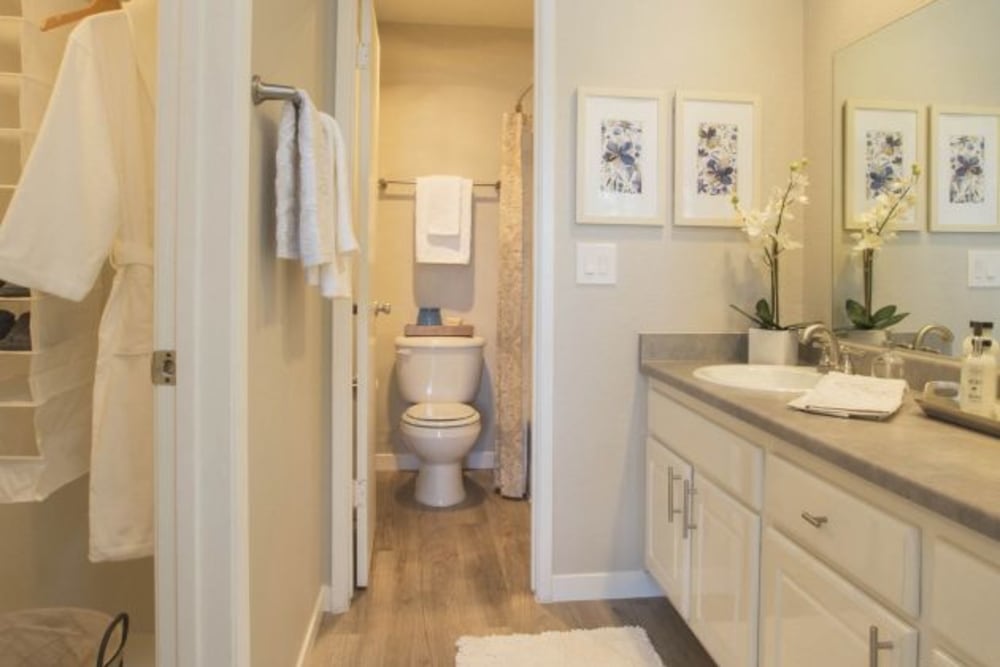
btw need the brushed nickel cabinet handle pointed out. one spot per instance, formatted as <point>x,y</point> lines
<point>689,492</point>
<point>813,520</point>
<point>671,478</point>
<point>874,646</point>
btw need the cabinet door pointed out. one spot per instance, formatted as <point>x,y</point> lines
<point>812,616</point>
<point>725,588</point>
<point>668,553</point>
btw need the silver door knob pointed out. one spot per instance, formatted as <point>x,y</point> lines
<point>381,308</point>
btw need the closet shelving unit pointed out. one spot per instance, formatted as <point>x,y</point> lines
<point>45,393</point>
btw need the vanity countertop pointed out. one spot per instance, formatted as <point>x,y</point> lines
<point>947,469</point>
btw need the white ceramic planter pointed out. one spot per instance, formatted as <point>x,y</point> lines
<point>873,337</point>
<point>769,346</point>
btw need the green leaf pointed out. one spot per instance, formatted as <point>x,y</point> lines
<point>857,315</point>
<point>764,311</point>
<point>883,313</point>
<point>748,316</point>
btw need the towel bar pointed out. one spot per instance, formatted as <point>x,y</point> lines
<point>383,183</point>
<point>262,92</point>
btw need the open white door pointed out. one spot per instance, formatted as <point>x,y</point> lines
<point>368,308</point>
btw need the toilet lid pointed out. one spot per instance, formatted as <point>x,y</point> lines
<point>441,415</point>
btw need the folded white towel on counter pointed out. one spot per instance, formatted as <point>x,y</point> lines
<point>840,395</point>
<point>432,247</point>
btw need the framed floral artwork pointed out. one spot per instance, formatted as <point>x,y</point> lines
<point>716,156</point>
<point>882,142</point>
<point>965,145</point>
<point>620,157</point>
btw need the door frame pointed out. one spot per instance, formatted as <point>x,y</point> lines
<point>201,304</point>
<point>542,464</point>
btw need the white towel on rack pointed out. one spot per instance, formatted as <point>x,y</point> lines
<point>439,205</point>
<point>286,232</point>
<point>334,277</point>
<point>435,248</point>
<point>312,195</point>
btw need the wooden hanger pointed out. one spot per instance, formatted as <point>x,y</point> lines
<point>95,7</point>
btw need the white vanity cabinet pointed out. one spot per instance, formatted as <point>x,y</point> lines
<point>702,540</point>
<point>777,558</point>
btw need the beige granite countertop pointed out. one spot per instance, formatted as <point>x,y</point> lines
<point>949,470</point>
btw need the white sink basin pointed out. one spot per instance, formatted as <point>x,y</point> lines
<point>765,378</point>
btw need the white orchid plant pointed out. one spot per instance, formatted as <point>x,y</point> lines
<point>769,238</point>
<point>878,225</point>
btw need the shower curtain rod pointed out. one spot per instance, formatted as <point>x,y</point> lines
<point>520,107</point>
<point>383,183</point>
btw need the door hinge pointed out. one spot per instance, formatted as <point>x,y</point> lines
<point>360,492</point>
<point>363,55</point>
<point>164,367</point>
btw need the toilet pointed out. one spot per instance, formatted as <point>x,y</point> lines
<point>440,376</point>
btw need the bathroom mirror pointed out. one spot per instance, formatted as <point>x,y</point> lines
<point>945,53</point>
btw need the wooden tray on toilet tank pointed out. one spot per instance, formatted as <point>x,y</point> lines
<point>439,330</point>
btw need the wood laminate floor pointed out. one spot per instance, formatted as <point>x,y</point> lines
<point>440,574</point>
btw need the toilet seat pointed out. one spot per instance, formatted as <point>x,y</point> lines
<point>440,415</point>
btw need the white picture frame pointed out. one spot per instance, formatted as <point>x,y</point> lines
<point>717,154</point>
<point>620,157</point>
<point>882,142</point>
<point>965,169</point>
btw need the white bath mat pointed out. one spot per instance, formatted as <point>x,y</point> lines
<point>607,647</point>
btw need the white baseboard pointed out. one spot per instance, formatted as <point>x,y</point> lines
<point>322,604</point>
<point>474,461</point>
<point>604,586</point>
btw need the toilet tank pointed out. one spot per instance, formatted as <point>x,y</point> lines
<point>439,369</point>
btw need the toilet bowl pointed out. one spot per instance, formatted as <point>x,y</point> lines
<point>440,376</point>
<point>441,435</point>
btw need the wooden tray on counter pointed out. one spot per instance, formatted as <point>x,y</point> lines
<point>465,330</point>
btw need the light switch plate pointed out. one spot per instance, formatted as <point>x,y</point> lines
<point>984,268</point>
<point>596,263</point>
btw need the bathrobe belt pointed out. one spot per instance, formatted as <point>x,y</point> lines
<point>128,252</point>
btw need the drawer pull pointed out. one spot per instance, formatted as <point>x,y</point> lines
<point>671,478</point>
<point>689,525</point>
<point>874,646</point>
<point>813,520</point>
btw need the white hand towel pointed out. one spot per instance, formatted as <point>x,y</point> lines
<point>286,190</point>
<point>843,395</point>
<point>334,277</point>
<point>431,248</point>
<point>439,205</point>
<point>315,187</point>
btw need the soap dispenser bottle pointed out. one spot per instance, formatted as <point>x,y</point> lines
<point>978,387</point>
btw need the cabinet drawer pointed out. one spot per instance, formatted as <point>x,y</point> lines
<point>876,548</point>
<point>735,464</point>
<point>965,601</point>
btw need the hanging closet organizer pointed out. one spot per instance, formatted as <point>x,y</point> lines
<point>45,393</point>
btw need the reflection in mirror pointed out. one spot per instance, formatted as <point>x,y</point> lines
<point>943,54</point>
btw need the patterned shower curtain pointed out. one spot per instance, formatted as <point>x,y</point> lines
<point>513,399</point>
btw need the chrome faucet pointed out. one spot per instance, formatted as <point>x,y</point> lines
<point>941,330</point>
<point>831,348</point>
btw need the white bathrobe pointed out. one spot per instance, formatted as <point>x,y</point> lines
<point>85,198</point>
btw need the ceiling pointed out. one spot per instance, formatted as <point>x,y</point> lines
<point>482,13</point>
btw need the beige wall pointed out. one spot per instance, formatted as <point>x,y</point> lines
<point>925,59</point>
<point>669,278</point>
<point>829,27</point>
<point>288,359</point>
<point>43,561</point>
<point>443,92</point>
